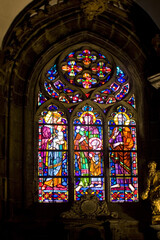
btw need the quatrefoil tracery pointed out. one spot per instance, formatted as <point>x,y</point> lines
<point>81,75</point>
<point>92,68</point>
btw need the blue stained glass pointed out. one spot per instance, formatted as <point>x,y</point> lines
<point>121,109</point>
<point>76,121</point>
<point>68,90</point>
<point>120,76</point>
<point>102,56</point>
<point>52,73</point>
<point>121,80</point>
<point>52,107</point>
<point>120,73</point>
<point>86,108</point>
<point>122,158</point>
<point>97,190</point>
<point>131,101</point>
<point>106,91</point>
<point>114,87</point>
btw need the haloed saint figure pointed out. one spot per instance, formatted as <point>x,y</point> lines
<point>88,148</point>
<point>121,143</point>
<point>53,157</point>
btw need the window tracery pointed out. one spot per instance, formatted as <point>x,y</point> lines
<point>95,91</point>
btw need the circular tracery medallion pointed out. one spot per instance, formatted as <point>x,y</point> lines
<point>88,68</point>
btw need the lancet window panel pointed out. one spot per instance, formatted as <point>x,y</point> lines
<point>88,153</point>
<point>122,146</point>
<point>53,156</point>
<point>95,92</point>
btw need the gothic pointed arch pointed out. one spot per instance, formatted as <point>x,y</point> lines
<point>95,89</point>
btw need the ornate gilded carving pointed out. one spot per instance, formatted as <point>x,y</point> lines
<point>153,191</point>
<point>89,207</point>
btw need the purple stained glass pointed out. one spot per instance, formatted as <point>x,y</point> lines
<point>87,69</point>
<point>41,99</point>
<point>53,137</point>
<point>125,136</point>
<point>59,85</point>
<point>124,191</point>
<point>52,163</point>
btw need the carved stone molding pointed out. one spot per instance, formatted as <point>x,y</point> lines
<point>93,8</point>
<point>89,207</point>
<point>155,80</point>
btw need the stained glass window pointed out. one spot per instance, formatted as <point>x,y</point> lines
<point>122,156</point>
<point>88,153</point>
<point>52,156</point>
<point>87,128</point>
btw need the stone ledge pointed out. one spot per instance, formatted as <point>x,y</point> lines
<point>155,80</point>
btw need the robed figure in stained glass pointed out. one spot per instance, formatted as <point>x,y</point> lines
<point>57,142</point>
<point>121,142</point>
<point>88,142</point>
<point>95,161</point>
<point>53,141</point>
<point>86,75</point>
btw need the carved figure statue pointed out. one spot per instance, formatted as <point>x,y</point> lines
<point>153,191</point>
